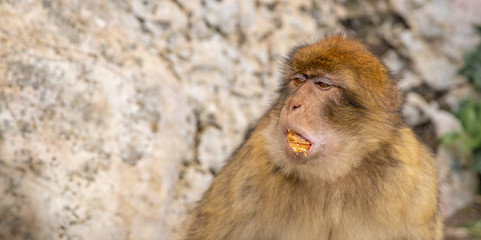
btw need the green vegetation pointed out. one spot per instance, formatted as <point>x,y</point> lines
<point>472,65</point>
<point>469,111</point>
<point>474,229</point>
<point>469,114</point>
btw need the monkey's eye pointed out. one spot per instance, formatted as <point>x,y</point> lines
<point>299,79</point>
<point>324,83</point>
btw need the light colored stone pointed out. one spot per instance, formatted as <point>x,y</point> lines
<point>212,149</point>
<point>457,188</point>
<point>431,20</point>
<point>444,122</point>
<point>198,184</point>
<point>393,62</point>
<point>412,110</point>
<point>462,92</point>
<point>222,15</point>
<point>409,80</point>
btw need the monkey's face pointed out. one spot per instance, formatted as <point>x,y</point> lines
<point>313,107</point>
<point>303,114</point>
<point>336,98</point>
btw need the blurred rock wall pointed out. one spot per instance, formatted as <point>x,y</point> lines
<point>116,115</point>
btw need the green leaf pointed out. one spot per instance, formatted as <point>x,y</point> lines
<point>474,228</point>
<point>450,138</point>
<point>469,114</point>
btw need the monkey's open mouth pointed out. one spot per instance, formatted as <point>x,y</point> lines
<point>297,143</point>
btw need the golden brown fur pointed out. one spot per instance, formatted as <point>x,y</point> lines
<point>370,178</point>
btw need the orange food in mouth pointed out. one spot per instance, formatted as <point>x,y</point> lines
<point>297,143</point>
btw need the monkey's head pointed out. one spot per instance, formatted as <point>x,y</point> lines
<point>337,96</point>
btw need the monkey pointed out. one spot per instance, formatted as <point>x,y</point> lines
<point>330,159</point>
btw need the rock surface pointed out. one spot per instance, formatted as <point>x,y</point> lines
<point>116,115</point>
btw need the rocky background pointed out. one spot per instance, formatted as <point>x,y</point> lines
<point>116,115</point>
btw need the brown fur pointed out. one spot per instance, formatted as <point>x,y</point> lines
<point>371,178</point>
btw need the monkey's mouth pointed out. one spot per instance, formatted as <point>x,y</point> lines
<point>297,142</point>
